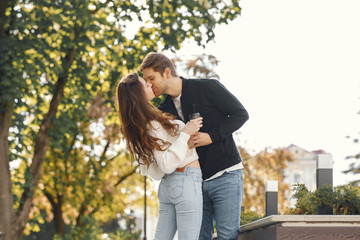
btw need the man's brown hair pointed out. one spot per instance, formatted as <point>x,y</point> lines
<point>158,62</point>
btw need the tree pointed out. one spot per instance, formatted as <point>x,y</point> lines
<point>265,165</point>
<point>60,53</point>
<point>354,167</point>
<point>200,66</point>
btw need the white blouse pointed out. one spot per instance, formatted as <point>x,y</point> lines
<point>177,155</point>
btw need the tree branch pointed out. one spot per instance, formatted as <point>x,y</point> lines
<point>50,198</point>
<point>67,158</point>
<point>126,176</point>
<point>102,157</point>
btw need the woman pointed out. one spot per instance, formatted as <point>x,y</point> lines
<point>160,142</point>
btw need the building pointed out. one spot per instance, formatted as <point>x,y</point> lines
<point>302,169</point>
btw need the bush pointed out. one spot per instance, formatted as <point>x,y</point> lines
<point>347,200</point>
<point>249,217</point>
<point>344,199</point>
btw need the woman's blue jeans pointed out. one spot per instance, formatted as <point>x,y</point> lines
<point>180,198</point>
<point>222,204</point>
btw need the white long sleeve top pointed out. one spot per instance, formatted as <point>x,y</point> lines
<point>177,155</point>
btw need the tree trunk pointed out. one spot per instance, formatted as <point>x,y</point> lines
<point>81,213</point>
<point>7,215</point>
<point>2,17</point>
<point>58,217</point>
<point>57,211</point>
<point>6,199</point>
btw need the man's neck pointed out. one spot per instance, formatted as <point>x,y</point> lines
<point>174,87</point>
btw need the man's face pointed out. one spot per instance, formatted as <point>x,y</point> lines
<point>159,83</point>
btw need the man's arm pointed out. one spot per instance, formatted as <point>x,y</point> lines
<point>230,106</point>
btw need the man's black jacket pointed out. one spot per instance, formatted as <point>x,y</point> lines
<point>222,115</point>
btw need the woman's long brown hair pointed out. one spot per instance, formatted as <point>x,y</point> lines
<point>135,114</point>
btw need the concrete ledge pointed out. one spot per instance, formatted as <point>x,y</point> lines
<point>303,220</point>
<point>302,227</point>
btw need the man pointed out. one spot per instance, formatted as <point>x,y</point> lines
<point>219,157</point>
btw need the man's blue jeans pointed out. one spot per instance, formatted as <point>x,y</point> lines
<point>180,197</point>
<point>222,199</point>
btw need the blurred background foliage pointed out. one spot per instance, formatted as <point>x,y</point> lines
<point>268,164</point>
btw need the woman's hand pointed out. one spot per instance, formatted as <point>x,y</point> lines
<point>193,126</point>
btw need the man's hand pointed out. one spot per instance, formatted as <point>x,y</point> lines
<point>199,139</point>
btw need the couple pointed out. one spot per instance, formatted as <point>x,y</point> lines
<point>191,200</point>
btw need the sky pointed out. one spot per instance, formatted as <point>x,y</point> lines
<point>294,65</point>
